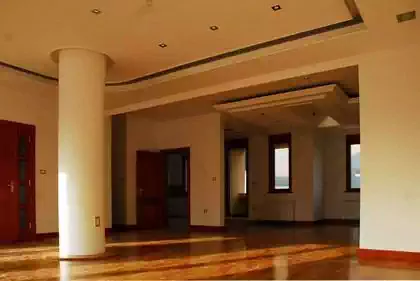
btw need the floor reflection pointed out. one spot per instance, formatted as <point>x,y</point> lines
<point>256,252</point>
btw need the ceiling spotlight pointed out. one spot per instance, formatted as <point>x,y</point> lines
<point>214,27</point>
<point>276,8</point>
<point>96,11</point>
<point>163,45</point>
<point>406,16</point>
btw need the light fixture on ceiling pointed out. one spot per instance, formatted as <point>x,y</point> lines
<point>407,16</point>
<point>328,122</point>
<point>214,27</point>
<point>276,8</point>
<point>96,11</point>
<point>163,45</point>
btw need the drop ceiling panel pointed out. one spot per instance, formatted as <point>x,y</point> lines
<point>129,31</point>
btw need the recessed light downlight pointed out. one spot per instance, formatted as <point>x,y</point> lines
<point>96,11</point>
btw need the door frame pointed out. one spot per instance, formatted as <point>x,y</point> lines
<point>229,145</point>
<point>30,131</point>
<point>185,151</point>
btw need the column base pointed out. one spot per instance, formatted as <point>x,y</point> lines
<point>101,256</point>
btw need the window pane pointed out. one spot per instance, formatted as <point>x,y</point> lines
<point>281,168</point>
<point>355,166</point>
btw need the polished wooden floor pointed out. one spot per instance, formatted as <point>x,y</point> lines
<point>253,252</point>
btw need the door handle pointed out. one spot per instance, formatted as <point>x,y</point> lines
<point>11,185</point>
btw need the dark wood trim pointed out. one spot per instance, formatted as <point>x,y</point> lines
<point>235,144</point>
<point>185,152</point>
<point>369,255</point>
<point>207,229</point>
<point>346,222</point>
<point>272,142</point>
<point>46,236</point>
<point>350,139</point>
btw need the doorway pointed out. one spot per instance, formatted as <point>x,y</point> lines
<point>177,187</point>
<point>17,182</point>
<point>163,184</point>
<point>236,170</point>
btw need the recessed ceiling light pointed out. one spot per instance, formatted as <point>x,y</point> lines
<point>214,27</point>
<point>96,11</point>
<point>276,8</point>
<point>163,45</point>
<point>406,16</point>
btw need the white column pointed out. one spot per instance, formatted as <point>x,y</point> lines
<point>81,153</point>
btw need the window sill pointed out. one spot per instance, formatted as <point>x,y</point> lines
<point>280,191</point>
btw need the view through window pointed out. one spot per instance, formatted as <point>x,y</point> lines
<point>281,167</point>
<point>355,166</point>
<point>280,163</point>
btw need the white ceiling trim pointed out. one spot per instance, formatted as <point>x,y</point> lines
<point>257,54</point>
<point>292,98</point>
<point>238,84</point>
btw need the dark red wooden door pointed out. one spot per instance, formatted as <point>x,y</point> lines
<point>9,216</point>
<point>151,203</point>
<point>26,181</point>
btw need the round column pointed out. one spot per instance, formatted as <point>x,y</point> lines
<point>81,153</point>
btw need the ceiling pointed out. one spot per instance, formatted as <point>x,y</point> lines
<point>347,78</point>
<point>130,31</point>
<point>272,119</point>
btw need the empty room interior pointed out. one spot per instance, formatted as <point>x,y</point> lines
<point>153,139</point>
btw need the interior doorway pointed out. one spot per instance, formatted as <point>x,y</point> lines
<point>17,182</point>
<point>177,187</point>
<point>236,170</point>
<point>163,185</point>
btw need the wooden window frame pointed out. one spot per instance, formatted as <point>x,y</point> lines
<point>273,141</point>
<point>350,140</point>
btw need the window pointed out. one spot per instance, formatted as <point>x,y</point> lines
<point>280,150</point>
<point>353,163</point>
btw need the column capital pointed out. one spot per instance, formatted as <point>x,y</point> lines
<point>55,55</point>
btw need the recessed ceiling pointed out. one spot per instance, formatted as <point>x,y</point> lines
<point>346,78</point>
<point>130,31</point>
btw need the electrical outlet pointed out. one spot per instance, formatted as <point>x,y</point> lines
<point>97,221</point>
<point>205,211</point>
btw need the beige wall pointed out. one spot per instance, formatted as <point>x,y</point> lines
<point>390,134</point>
<point>299,205</point>
<point>30,102</point>
<point>319,179</point>
<point>338,204</point>
<point>204,135</point>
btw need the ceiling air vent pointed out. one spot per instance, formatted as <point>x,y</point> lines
<point>406,16</point>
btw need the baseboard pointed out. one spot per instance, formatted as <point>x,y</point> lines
<point>350,222</point>
<point>205,228</point>
<point>355,222</point>
<point>369,255</point>
<point>122,228</point>
<point>55,235</point>
<point>46,236</point>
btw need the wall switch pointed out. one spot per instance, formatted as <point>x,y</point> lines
<point>43,172</point>
<point>213,178</point>
<point>97,221</point>
<point>205,211</point>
